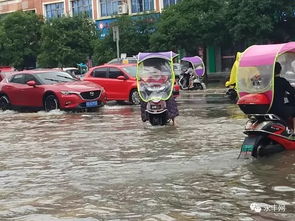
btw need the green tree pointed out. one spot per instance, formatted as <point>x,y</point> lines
<point>19,39</point>
<point>261,22</point>
<point>134,37</point>
<point>66,41</point>
<point>189,24</point>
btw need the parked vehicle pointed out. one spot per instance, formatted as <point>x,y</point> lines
<point>4,74</point>
<point>231,91</point>
<point>118,81</point>
<point>191,77</point>
<point>155,78</point>
<point>266,133</point>
<point>49,90</point>
<point>75,72</point>
<point>6,69</point>
<point>177,70</point>
<point>127,60</point>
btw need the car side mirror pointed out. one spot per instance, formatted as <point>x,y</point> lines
<point>32,83</point>
<point>121,77</point>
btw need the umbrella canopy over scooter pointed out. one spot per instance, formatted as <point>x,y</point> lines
<point>155,75</point>
<point>256,69</point>
<point>197,64</point>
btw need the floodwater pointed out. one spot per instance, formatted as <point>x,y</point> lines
<point>108,165</point>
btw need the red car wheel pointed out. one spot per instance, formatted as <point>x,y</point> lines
<point>51,103</point>
<point>4,102</point>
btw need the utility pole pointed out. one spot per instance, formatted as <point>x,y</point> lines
<point>116,39</point>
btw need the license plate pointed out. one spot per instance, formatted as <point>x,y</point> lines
<point>91,104</point>
<point>247,147</point>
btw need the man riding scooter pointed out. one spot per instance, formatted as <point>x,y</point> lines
<point>281,88</point>
<point>263,97</point>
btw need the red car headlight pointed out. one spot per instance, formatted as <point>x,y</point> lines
<point>68,92</point>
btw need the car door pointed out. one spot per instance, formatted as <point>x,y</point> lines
<point>120,89</point>
<point>32,96</point>
<point>14,89</point>
<point>21,94</point>
<point>98,76</point>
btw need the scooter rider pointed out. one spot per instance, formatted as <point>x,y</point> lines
<point>190,76</point>
<point>281,87</point>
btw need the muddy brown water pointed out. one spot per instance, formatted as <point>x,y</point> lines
<point>108,165</point>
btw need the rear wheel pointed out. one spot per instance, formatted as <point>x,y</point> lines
<point>134,97</point>
<point>182,83</point>
<point>51,103</point>
<point>158,119</point>
<point>4,103</point>
<point>269,149</point>
<point>198,86</point>
<point>232,95</point>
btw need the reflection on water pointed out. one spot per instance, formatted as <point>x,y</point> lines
<point>108,165</point>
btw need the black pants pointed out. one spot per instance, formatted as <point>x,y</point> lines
<point>285,112</point>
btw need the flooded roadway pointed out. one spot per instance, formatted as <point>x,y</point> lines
<point>109,165</point>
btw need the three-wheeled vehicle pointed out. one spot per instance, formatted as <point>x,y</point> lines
<point>231,91</point>
<point>155,81</point>
<point>266,133</point>
<point>193,70</point>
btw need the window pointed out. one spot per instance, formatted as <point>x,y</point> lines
<point>54,10</point>
<point>19,79</point>
<point>167,3</point>
<point>82,7</point>
<point>115,72</point>
<point>142,5</point>
<point>109,7</point>
<point>29,77</point>
<point>100,73</point>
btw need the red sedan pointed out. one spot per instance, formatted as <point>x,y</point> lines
<point>49,90</point>
<point>118,80</point>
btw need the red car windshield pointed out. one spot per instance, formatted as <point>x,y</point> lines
<point>131,70</point>
<point>54,77</point>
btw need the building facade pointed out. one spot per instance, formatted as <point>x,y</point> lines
<point>95,9</point>
<point>103,12</point>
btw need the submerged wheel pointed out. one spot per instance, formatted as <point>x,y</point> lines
<point>268,150</point>
<point>182,82</point>
<point>134,97</point>
<point>198,86</point>
<point>4,103</point>
<point>158,119</point>
<point>51,103</point>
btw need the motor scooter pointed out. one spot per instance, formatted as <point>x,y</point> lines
<point>231,93</point>
<point>266,133</point>
<point>230,84</point>
<point>155,81</point>
<point>191,77</point>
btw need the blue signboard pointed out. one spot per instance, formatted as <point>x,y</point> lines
<point>103,26</point>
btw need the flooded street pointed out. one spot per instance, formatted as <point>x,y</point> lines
<point>108,165</point>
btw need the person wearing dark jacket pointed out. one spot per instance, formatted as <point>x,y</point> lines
<point>281,88</point>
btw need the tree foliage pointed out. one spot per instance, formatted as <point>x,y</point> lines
<point>66,41</point>
<point>189,24</point>
<point>261,22</point>
<point>134,33</point>
<point>25,38</point>
<point>227,23</point>
<point>19,39</point>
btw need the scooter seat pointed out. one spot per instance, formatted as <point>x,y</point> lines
<point>268,117</point>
